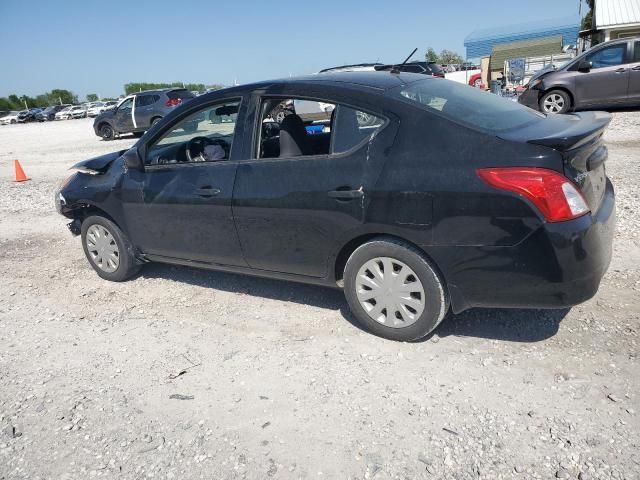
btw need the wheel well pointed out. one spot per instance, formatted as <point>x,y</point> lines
<point>81,213</point>
<point>153,119</point>
<point>351,246</point>
<point>558,88</point>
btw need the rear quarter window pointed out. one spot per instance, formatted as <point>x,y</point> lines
<point>467,106</point>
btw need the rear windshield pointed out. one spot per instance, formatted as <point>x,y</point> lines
<point>467,105</point>
<point>180,94</point>
<point>434,67</point>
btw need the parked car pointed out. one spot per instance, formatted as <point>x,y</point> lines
<point>63,114</point>
<point>607,75</point>
<point>424,68</point>
<point>138,112</point>
<point>49,113</point>
<point>11,117</point>
<point>77,111</point>
<point>394,212</point>
<point>99,108</point>
<point>28,115</point>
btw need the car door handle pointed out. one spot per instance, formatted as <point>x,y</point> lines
<point>207,191</point>
<point>345,194</point>
<point>637,67</point>
<point>620,70</point>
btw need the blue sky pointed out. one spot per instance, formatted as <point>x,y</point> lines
<point>90,46</point>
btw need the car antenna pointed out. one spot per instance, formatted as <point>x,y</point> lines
<point>395,67</point>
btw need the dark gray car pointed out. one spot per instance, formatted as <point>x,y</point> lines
<point>607,75</point>
<point>138,112</point>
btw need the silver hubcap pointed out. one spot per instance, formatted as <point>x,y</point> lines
<point>390,292</point>
<point>553,103</point>
<point>102,248</point>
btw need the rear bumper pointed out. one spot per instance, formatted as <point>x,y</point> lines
<point>529,98</point>
<point>558,266</point>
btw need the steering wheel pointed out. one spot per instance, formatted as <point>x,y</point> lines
<point>195,148</point>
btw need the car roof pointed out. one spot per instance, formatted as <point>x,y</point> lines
<point>378,82</point>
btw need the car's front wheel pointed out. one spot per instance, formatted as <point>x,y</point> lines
<point>106,131</point>
<point>555,101</point>
<point>394,291</point>
<point>108,250</point>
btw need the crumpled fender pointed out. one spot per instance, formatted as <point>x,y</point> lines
<point>98,164</point>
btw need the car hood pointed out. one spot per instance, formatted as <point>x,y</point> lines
<point>98,164</point>
<point>105,115</point>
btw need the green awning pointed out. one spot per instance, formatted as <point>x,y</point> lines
<point>538,47</point>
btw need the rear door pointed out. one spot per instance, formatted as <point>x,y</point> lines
<point>607,81</point>
<point>292,211</point>
<point>143,110</point>
<point>634,75</point>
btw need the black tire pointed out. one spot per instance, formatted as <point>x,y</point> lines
<point>128,266</point>
<point>557,94</point>
<point>436,301</point>
<point>155,120</point>
<point>106,131</point>
<point>138,134</point>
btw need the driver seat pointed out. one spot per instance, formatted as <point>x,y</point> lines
<point>294,141</point>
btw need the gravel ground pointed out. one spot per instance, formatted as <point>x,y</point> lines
<point>186,374</point>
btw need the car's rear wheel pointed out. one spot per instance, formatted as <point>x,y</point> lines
<point>106,131</point>
<point>155,120</point>
<point>477,82</point>
<point>394,291</point>
<point>108,250</point>
<point>555,101</point>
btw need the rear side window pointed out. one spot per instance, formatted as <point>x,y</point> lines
<point>181,93</point>
<point>467,106</point>
<point>146,100</point>
<point>350,127</point>
<point>608,57</point>
<point>300,127</point>
<point>636,52</point>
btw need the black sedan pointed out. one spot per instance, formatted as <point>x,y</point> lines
<point>445,197</point>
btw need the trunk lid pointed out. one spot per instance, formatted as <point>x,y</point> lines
<point>578,139</point>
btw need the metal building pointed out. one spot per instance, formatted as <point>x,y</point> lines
<point>480,43</point>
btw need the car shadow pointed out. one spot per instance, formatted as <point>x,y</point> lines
<point>515,325</point>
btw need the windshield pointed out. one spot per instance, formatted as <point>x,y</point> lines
<point>466,105</point>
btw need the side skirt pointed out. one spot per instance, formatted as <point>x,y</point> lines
<point>241,270</point>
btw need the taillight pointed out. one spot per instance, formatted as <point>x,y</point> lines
<point>552,193</point>
<point>173,102</point>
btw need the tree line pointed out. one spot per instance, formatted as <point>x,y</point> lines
<point>60,96</point>
<point>446,57</point>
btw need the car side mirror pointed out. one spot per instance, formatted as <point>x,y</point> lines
<point>132,160</point>
<point>584,66</point>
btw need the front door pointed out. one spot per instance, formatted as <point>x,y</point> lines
<point>307,189</point>
<point>180,206</point>
<point>123,116</point>
<point>607,81</point>
<point>634,76</point>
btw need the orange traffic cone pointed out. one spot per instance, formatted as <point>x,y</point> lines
<point>20,175</point>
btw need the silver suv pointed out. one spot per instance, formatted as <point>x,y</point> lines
<point>607,75</point>
<point>138,112</point>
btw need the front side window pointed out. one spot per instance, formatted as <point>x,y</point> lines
<point>636,52</point>
<point>300,127</point>
<point>126,105</point>
<point>467,106</point>
<point>608,57</point>
<point>204,136</point>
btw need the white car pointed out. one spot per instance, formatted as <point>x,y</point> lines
<point>11,117</point>
<point>77,111</point>
<point>63,114</point>
<point>101,107</point>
